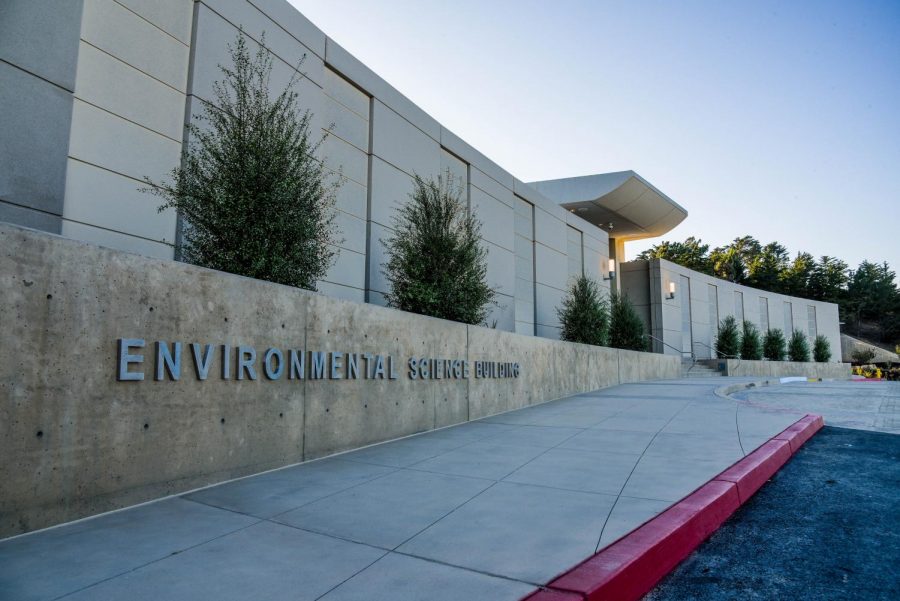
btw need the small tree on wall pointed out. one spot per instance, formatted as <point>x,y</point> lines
<point>255,200</point>
<point>728,340</point>
<point>821,349</point>
<point>798,348</point>
<point>626,330</point>
<point>751,345</point>
<point>584,313</point>
<point>437,264</point>
<point>773,345</point>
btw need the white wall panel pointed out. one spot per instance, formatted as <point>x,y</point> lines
<point>402,144</point>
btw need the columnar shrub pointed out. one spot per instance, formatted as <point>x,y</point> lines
<point>821,349</point>
<point>751,345</point>
<point>436,263</point>
<point>626,330</point>
<point>584,313</point>
<point>774,345</point>
<point>728,340</point>
<point>798,347</point>
<point>254,198</point>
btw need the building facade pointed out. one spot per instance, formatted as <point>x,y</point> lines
<point>96,95</point>
<point>682,308</point>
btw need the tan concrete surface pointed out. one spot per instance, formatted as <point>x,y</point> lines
<point>781,369</point>
<point>78,442</point>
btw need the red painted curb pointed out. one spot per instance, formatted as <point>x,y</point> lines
<point>801,431</point>
<point>750,473</point>
<point>631,566</point>
<point>551,595</point>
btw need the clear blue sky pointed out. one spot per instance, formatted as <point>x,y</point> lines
<point>775,119</point>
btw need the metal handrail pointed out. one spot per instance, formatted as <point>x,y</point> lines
<point>680,351</point>
<point>716,353</point>
<point>727,356</point>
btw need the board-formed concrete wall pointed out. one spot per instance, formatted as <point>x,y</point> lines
<point>76,441</point>
<point>781,369</point>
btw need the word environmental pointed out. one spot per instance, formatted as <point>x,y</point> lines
<point>243,362</point>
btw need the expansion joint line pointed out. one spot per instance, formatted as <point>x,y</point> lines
<point>631,473</point>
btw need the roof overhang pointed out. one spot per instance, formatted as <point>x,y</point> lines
<point>623,203</point>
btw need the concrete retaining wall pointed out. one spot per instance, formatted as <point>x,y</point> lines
<point>75,441</point>
<point>781,369</point>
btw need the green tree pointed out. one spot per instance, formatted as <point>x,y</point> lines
<point>798,347</point>
<point>795,278</point>
<point>728,340</point>
<point>254,198</point>
<point>774,345</point>
<point>766,268</point>
<point>862,356</point>
<point>691,253</point>
<point>828,280</point>
<point>821,349</point>
<point>751,345</point>
<point>873,296</point>
<point>584,313</point>
<point>626,330</point>
<point>436,263</point>
<point>731,262</point>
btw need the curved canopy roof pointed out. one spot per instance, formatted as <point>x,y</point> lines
<point>621,203</point>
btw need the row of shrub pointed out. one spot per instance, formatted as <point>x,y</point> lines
<point>745,342</point>
<point>589,317</point>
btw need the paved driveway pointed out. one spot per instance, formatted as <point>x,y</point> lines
<point>848,404</point>
<point>483,510</point>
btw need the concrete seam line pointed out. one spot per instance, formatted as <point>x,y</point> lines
<point>634,564</point>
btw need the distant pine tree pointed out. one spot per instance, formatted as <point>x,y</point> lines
<point>774,345</point>
<point>798,347</point>
<point>728,340</point>
<point>751,345</point>
<point>821,349</point>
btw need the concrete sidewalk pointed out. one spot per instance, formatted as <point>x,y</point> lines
<point>483,510</point>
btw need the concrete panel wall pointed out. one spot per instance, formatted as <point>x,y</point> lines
<point>83,442</point>
<point>665,313</point>
<point>38,58</point>
<point>782,369</point>
<point>127,122</point>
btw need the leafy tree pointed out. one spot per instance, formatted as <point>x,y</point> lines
<point>821,349</point>
<point>796,276</point>
<point>774,345</point>
<point>436,263</point>
<point>828,280</point>
<point>626,330</point>
<point>691,253</point>
<point>872,295</point>
<point>584,314</point>
<point>798,347</point>
<point>862,356</point>
<point>751,345</point>
<point>728,340</point>
<point>765,269</point>
<point>254,198</point>
<point>731,262</point>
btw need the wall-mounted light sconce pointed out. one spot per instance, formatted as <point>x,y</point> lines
<point>671,290</point>
<point>611,270</point>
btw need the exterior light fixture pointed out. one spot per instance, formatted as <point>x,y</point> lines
<point>671,290</point>
<point>611,270</point>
